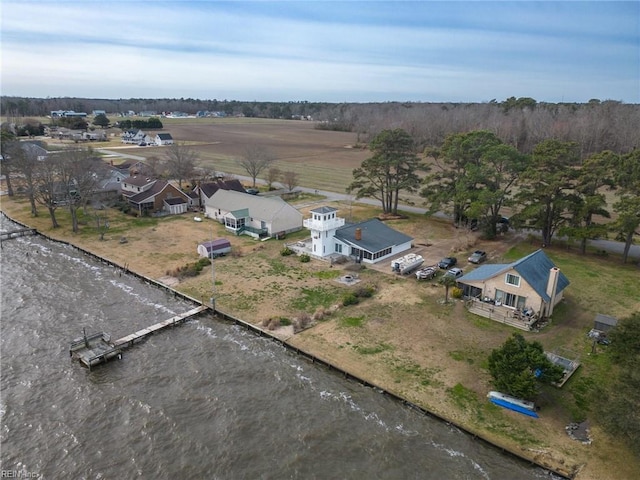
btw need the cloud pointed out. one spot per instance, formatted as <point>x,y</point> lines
<point>332,51</point>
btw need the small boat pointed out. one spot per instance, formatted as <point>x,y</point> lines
<point>512,403</point>
<point>407,264</point>
<point>426,273</point>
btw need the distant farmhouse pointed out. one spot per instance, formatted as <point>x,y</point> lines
<point>135,137</point>
<point>370,241</point>
<point>163,139</point>
<point>66,114</point>
<point>138,137</point>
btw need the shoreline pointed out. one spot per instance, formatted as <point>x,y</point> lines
<point>314,359</point>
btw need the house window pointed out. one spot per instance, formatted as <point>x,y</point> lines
<point>338,247</point>
<point>513,280</point>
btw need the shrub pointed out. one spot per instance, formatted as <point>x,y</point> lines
<point>286,251</point>
<point>273,323</point>
<point>301,322</point>
<point>304,258</point>
<point>456,292</point>
<point>319,314</point>
<point>365,291</point>
<point>350,299</point>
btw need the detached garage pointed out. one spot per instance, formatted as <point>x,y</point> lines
<point>214,248</point>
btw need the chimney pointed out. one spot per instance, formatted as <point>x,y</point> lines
<point>552,287</point>
<point>358,234</point>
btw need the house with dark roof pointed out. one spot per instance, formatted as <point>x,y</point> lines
<point>526,290</point>
<point>148,195</point>
<point>163,139</point>
<point>135,137</point>
<point>370,241</point>
<point>34,150</point>
<point>259,217</point>
<point>205,191</point>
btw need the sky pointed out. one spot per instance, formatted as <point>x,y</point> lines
<point>322,51</point>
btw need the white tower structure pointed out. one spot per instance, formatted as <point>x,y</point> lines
<point>323,225</point>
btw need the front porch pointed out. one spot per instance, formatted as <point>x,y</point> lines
<point>502,314</point>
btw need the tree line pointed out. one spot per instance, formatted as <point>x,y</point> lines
<point>522,122</point>
<point>475,176</point>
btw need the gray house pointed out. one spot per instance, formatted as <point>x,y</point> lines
<point>259,217</point>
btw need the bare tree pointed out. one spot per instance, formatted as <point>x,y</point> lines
<point>47,189</point>
<point>273,175</point>
<point>290,179</point>
<point>7,143</point>
<point>255,160</point>
<point>180,162</point>
<point>25,164</point>
<point>79,174</point>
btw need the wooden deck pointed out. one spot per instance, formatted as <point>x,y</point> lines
<point>501,314</point>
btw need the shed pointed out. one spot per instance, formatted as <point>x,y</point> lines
<point>604,323</point>
<point>214,248</point>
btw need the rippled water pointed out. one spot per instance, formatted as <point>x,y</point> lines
<point>206,400</point>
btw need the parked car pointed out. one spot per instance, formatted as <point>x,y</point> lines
<point>447,263</point>
<point>478,256</point>
<point>454,272</point>
<point>252,191</point>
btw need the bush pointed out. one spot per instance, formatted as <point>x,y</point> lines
<point>190,269</point>
<point>286,251</point>
<point>319,314</point>
<point>304,258</point>
<point>365,291</point>
<point>301,322</point>
<point>456,292</point>
<point>350,299</point>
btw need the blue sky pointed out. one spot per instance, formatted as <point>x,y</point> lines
<point>334,51</point>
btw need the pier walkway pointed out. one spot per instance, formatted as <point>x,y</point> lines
<point>20,232</point>
<point>97,348</point>
<point>145,332</point>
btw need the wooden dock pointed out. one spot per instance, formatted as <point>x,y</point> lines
<point>20,232</point>
<point>97,348</point>
<point>129,340</point>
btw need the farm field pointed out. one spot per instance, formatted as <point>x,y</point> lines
<point>322,159</point>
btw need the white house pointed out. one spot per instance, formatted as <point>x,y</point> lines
<point>135,137</point>
<point>253,215</point>
<point>163,139</point>
<point>370,241</point>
